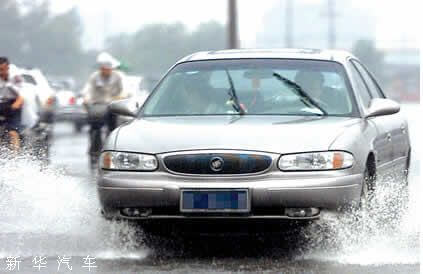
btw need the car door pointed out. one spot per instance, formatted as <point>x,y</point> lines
<point>397,123</point>
<point>383,140</point>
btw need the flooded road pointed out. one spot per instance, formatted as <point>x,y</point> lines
<point>54,211</point>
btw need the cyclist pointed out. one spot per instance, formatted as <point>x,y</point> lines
<point>11,105</point>
<point>103,87</point>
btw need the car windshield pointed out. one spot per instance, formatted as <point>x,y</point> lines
<point>253,87</point>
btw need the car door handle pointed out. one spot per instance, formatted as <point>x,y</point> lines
<point>389,137</point>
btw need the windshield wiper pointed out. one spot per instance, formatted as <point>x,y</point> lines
<point>233,97</point>
<point>299,90</point>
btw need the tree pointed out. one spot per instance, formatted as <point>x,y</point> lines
<point>10,29</point>
<point>155,47</point>
<point>208,36</point>
<point>53,42</point>
<point>33,37</point>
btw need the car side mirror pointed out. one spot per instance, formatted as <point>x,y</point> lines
<point>381,106</point>
<point>126,107</point>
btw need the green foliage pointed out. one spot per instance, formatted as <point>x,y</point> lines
<point>32,36</point>
<point>10,28</point>
<point>154,48</point>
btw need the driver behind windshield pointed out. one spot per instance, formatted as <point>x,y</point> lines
<point>254,100</point>
<point>313,82</point>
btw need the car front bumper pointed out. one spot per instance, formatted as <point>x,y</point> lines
<point>160,192</point>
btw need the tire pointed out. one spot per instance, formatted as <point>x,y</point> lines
<point>405,186</point>
<point>407,167</point>
<point>367,191</point>
<point>96,143</point>
<point>106,216</point>
<point>78,127</point>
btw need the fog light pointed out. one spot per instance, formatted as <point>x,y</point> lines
<point>301,212</point>
<point>136,212</point>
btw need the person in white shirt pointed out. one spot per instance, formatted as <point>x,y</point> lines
<point>103,87</point>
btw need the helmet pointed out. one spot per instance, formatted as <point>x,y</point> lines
<point>104,59</point>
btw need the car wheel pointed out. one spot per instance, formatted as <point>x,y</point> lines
<point>106,216</point>
<point>78,127</point>
<point>407,167</point>
<point>405,191</point>
<point>367,191</point>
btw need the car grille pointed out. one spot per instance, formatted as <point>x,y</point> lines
<point>232,163</point>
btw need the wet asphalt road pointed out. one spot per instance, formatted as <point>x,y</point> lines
<point>54,212</point>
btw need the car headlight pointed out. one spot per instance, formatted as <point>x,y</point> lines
<point>128,161</point>
<point>326,160</point>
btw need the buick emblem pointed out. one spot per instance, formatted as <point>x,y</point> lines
<point>216,164</point>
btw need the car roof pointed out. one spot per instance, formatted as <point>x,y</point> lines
<point>306,54</point>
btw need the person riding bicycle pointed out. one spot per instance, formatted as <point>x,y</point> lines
<point>11,103</point>
<point>103,87</point>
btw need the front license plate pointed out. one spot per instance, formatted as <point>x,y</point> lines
<point>215,200</point>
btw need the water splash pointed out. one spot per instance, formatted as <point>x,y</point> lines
<point>45,211</point>
<point>389,234</point>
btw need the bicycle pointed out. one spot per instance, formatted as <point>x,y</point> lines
<point>98,117</point>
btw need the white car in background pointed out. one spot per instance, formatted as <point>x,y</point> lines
<point>69,105</point>
<point>45,92</point>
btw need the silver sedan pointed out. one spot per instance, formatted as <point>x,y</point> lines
<point>280,134</point>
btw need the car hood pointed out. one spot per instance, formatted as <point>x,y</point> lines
<point>277,134</point>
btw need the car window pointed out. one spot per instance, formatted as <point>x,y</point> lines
<point>263,87</point>
<point>373,87</point>
<point>362,91</point>
<point>29,79</point>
